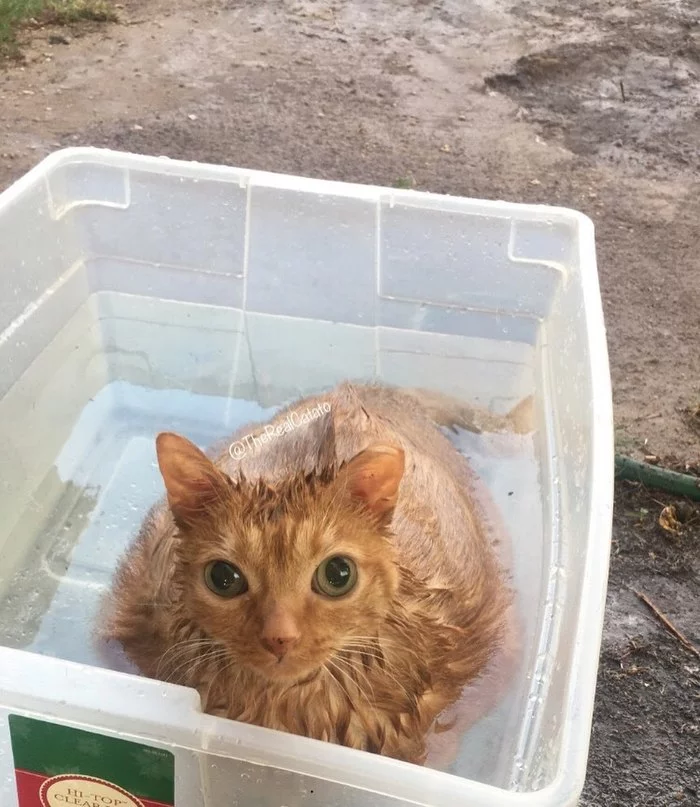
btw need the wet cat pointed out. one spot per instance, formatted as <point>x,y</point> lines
<point>335,577</point>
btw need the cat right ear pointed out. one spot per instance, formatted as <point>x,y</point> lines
<point>373,477</point>
<point>193,483</point>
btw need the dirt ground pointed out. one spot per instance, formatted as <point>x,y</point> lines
<point>592,104</point>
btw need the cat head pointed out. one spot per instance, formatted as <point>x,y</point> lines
<point>284,575</point>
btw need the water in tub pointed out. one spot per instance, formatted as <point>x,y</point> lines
<point>77,437</point>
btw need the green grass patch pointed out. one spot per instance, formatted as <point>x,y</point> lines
<point>13,13</point>
<point>62,12</point>
<point>404,183</point>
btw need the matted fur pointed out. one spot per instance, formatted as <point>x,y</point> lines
<point>372,670</point>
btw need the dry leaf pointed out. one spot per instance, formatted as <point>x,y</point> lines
<point>668,520</point>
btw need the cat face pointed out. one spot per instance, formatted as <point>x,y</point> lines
<point>283,577</point>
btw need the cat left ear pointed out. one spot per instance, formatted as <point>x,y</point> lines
<point>193,483</point>
<point>373,476</point>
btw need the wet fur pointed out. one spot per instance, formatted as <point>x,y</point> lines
<point>374,670</point>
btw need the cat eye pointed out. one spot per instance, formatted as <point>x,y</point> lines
<point>225,579</point>
<point>335,577</point>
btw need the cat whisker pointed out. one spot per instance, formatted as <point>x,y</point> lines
<point>185,643</point>
<point>188,674</point>
<point>181,649</point>
<point>189,663</point>
<point>377,644</point>
<point>366,652</point>
<point>174,652</point>
<point>378,640</point>
<point>389,669</point>
<point>224,668</point>
<point>356,641</point>
<point>371,703</point>
<point>337,680</point>
<point>363,674</point>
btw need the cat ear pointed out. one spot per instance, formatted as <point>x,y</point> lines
<point>192,481</point>
<point>373,476</point>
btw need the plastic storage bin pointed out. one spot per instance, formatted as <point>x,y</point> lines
<point>139,294</point>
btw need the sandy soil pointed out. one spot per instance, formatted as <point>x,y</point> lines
<point>592,104</point>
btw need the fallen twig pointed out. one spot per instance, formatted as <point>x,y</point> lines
<point>666,622</point>
<point>648,417</point>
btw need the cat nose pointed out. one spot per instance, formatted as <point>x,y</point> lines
<point>279,645</point>
<point>280,632</point>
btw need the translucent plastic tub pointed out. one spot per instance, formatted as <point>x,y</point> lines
<point>140,294</point>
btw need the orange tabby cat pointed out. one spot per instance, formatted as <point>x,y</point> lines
<point>336,579</point>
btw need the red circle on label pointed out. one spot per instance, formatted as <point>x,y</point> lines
<point>57,790</point>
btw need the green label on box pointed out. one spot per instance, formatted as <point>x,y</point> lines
<point>58,766</point>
